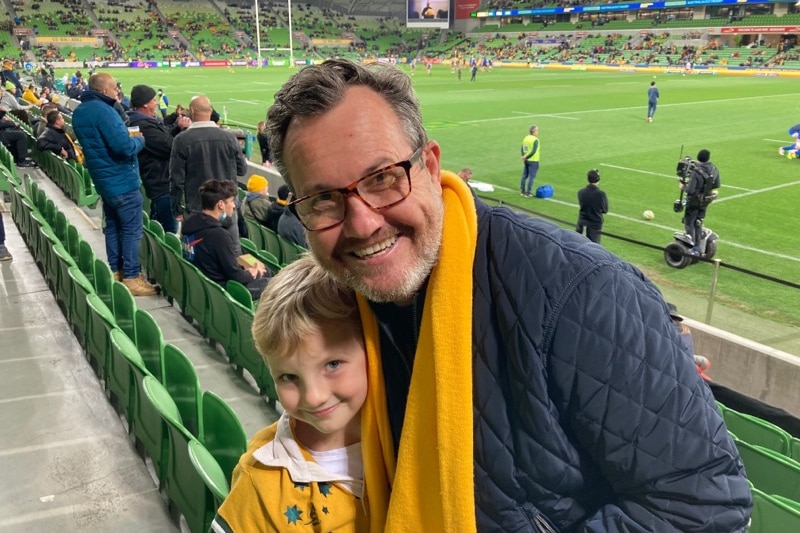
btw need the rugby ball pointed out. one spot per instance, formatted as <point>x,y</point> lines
<point>648,215</point>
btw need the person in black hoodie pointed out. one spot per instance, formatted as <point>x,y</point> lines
<point>154,158</point>
<point>276,209</point>
<point>209,246</point>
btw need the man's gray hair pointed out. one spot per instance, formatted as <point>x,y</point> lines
<point>317,89</point>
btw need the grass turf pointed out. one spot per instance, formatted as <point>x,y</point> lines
<point>597,120</point>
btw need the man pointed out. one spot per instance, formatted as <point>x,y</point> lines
<point>9,75</point>
<point>203,152</point>
<point>13,138</point>
<point>465,174</point>
<point>56,140</point>
<point>587,413</point>
<point>277,208</point>
<point>652,101</point>
<point>163,104</point>
<point>700,191</point>
<point>209,247</point>
<point>593,205</point>
<point>290,228</point>
<point>530,159</point>
<point>111,160</point>
<point>154,158</point>
<point>428,12</point>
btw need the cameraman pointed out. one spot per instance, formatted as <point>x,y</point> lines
<point>699,193</point>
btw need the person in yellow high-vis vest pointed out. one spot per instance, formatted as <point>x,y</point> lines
<point>530,157</point>
<point>163,104</point>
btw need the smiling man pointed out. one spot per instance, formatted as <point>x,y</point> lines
<point>586,412</point>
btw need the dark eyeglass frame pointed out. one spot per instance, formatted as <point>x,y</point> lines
<point>352,188</point>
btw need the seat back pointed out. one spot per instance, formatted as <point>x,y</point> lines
<point>86,260</point>
<point>754,430</point>
<point>239,293</point>
<point>254,231</point>
<point>771,515</point>
<point>103,282</point>
<point>73,241</point>
<point>174,284</point>
<point>223,434</point>
<point>174,242</point>
<point>770,471</point>
<point>150,343</point>
<point>180,380</point>
<point>217,318</point>
<point>98,342</point>
<point>196,298</point>
<point>124,307</point>
<point>120,374</point>
<point>244,353</point>
<point>80,289</point>
<point>162,414</point>
<point>272,244</point>
<point>217,487</point>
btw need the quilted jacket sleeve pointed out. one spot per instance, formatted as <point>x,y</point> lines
<point>622,380</point>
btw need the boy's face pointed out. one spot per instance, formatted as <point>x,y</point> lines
<point>322,384</point>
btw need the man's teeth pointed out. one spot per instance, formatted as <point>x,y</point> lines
<point>375,248</point>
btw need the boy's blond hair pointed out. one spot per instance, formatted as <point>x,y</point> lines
<point>294,303</point>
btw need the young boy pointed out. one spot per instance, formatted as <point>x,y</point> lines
<point>305,472</point>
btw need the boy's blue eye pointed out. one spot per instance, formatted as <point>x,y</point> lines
<point>333,365</point>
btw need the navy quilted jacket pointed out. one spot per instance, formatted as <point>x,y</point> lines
<point>589,414</point>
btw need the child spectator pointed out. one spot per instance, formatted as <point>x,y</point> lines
<point>276,209</point>
<point>306,468</point>
<point>256,204</point>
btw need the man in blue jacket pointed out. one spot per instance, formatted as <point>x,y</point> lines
<point>110,155</point>
<point>587,413</point>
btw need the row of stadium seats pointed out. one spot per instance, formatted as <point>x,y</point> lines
<point>192,437</point>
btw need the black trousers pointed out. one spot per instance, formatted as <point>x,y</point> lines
<point>17,142</point>
<point>593,233</point>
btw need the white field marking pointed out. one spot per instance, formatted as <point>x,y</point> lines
<point>672,229</point>
<point>543,115</point>
<point>749,193</point>
<point>261,83</point>
<point>245,101</point>
<point>630,108</point>
<point>660,175</point>
<point>776,140</point>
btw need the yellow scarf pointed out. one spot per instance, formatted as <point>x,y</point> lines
<point>431,486</point>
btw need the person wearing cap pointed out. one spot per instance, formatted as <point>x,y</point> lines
<point>530,158</point>
<point>277,208</point>
<point>593,205</point>
<point>110,154</point>
<point>257,203</point>
<point>204,151</point>
<point>700,191</point>
<point>154,158</point>
<point>13,138</point>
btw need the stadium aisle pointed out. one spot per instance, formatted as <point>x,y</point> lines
<point>72,464</point>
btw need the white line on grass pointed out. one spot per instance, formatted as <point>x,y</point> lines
<point>776,140</point>
<point>630,108</point>
<point>660,175</point>
<point>672,228</point>
<point>544,115</point>
<point>245,101</point>
<point>768,189</point>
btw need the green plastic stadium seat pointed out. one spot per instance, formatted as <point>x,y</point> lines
<point>223,434</point>
<point>754,430</point>
<point>150,343</point>
<point>770,471</point>
<point>124,307</point>
<point>772,516</point>
<point>180,380</point>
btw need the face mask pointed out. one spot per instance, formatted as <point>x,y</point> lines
<point>223,217</point>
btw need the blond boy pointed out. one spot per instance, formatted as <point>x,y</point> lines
<point>305,472</point>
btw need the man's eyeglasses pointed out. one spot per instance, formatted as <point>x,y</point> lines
<point>380,189</point>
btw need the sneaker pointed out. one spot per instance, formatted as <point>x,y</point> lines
<point>27,163</point>
<point>780,151</point>
<point>649,119</point>
<point>694,252</point>
<point>140,287</point>
<point>5,255</point>
<point>792,155</point>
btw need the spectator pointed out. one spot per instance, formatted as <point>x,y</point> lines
<point>569,344</point>
<point>530,159</point>
<point>9,75</point>
<point>263,143</point>
<point>14,139</point>
<point>465,174</point>
<point>56,140</point>
<point>203,152</point>
<point>257,203</point>
<point>308,331</point>
<point>210,247</point>
<point>277,208</point>
<point>290,228</point>
<point>154,158</point>
<point>111,159</point>
<point>163,103</point>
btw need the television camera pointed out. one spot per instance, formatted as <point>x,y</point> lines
<point>676,253</point>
